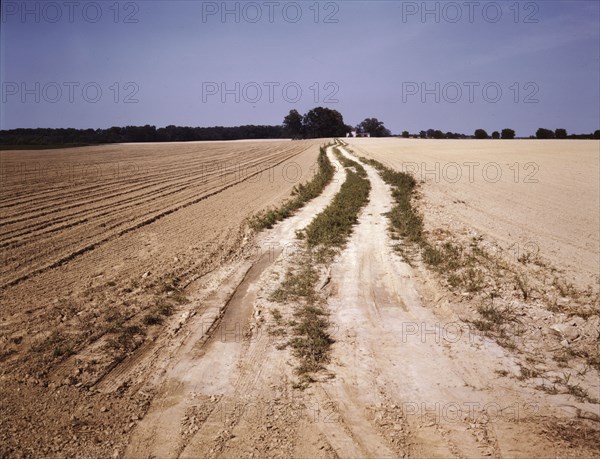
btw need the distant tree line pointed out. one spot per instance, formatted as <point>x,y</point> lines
<point>47,136</point>
<point>319,122</point>
<point>507,133</point>
<point>560,133</point>
<point>436,134</point>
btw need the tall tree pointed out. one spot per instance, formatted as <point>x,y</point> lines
<point>292,124</point>
<point>542,133</point>
<point>373,127</point>
<point>324,122</point>
<point>560,133</point>
<point>508,133</point>
<point>481,134</point>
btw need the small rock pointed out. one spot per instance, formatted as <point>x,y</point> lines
<point>146,274</point>
<point>565,331</point>
<point>564,343</point>
<point>103,409</point>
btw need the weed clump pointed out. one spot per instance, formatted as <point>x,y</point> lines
<point>333,226</point>
<point>302,193</point>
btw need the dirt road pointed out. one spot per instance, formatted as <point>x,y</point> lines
<point>224,375</point>
<point>407,379</point>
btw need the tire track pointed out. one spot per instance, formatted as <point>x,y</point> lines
<point>213,368</point>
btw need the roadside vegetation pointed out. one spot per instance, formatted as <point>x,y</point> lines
<point>333,226</point>
<point>324,237</point>
<point>301,195</point>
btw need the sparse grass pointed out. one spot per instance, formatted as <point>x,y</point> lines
<point>156,315</point>
<point>464,268</point>
<point>171,287</point>
<point>459,266</point>
<point>333,226</point>
<point>527,372</point>
<point>492,314</point>
<point>164,309</point>
<point>552,390</point>
<point>523,285</point>
<point>329,230</point>
<point>277,316</point>
<point>127,339</point>
<point>473,280</point>
<point>152,319</point>
<point>593,360</point>
<point>404,219</point>
<point>303,382</point>
<point>299,284</point>
<point>574,432</point>
<point>564,288</point>
<point>301,195</point>
<point>573,389</point>
<point>56,344</point>
<point>312,341</point>
<point>494,320</point>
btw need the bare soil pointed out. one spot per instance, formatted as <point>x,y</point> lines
<point>101,248</point>
<point>409,374</point>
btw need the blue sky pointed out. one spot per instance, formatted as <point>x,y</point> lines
<point>521,65</point>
